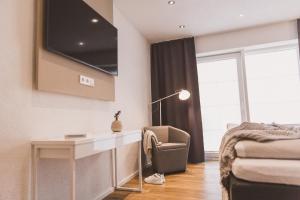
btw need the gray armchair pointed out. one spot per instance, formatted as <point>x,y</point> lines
<point>172,154</point>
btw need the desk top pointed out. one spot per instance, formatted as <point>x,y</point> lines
<point>87,139</point>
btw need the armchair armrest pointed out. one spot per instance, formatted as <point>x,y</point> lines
<point>155,146</point>
<point>178,136</point>
<point>171,146</point>
<point>161,132</point>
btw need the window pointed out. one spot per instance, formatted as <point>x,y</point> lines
<point>219,97</point>
<point>273,85</point>
<point>261,85</point>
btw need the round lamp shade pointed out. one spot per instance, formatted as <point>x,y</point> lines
<point>184,95</point>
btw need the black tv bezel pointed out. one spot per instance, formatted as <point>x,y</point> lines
<point>47,47</point>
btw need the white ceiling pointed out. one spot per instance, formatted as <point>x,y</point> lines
<point>158,21</point>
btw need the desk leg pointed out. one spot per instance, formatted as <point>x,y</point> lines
<point>139,189</point>
<point>34,171</point>
<point>114,167</point>
<point>73,178</point>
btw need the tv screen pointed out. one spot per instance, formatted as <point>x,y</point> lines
<point>75,30</point>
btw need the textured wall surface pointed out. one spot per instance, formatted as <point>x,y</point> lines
<point>27,114</point>
<point>247,37</point>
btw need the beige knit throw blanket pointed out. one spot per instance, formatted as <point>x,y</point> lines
<point>147,144</point>
<point>248,131</point>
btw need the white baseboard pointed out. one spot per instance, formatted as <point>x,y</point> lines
<point>112,189</point>
<point>128,178</point>
<point>105,193</point>
<point>211,156</point>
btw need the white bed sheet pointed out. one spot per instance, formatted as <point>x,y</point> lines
<point>281,149</point>
<point>268,170</point>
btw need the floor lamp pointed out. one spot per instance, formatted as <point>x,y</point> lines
<point>183,95</point>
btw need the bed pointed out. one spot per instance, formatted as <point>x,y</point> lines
<point>266,171</point>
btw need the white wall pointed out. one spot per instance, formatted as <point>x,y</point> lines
<point>247,37</point>
<point>27,113</point>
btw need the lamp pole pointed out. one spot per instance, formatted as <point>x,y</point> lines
<point>160,120</point>
<point>184,92</point>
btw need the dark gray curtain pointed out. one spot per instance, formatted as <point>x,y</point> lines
<point>298,23</point>
<point>174,67</point>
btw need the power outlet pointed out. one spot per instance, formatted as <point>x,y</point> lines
<point>84,80</point>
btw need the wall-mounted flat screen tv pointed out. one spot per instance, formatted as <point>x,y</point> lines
<point>75,30</point>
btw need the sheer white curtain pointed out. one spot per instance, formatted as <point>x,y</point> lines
<point>273,85</point>
<point>219,97</point>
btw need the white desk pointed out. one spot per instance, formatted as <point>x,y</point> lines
<point>73,149</point>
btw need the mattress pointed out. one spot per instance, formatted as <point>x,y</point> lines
<point>267,170</point>
<point>281,149</point>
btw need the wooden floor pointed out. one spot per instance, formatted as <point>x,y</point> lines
<point>199,182</point>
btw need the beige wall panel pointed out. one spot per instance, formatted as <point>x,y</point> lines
<point>104,7</point>
<point>58,74</point>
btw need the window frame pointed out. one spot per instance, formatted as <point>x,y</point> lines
<point>240,54</point>
<point>241,66</point>
<point>241,78</point>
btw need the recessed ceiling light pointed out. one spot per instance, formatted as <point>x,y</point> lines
<point>81,43</point>
<point>242,15</point>
<point>181,26</point>
<point>95,20</point>
<point>171,2</point>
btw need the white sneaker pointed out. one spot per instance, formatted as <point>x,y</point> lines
<point>156,179</point>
